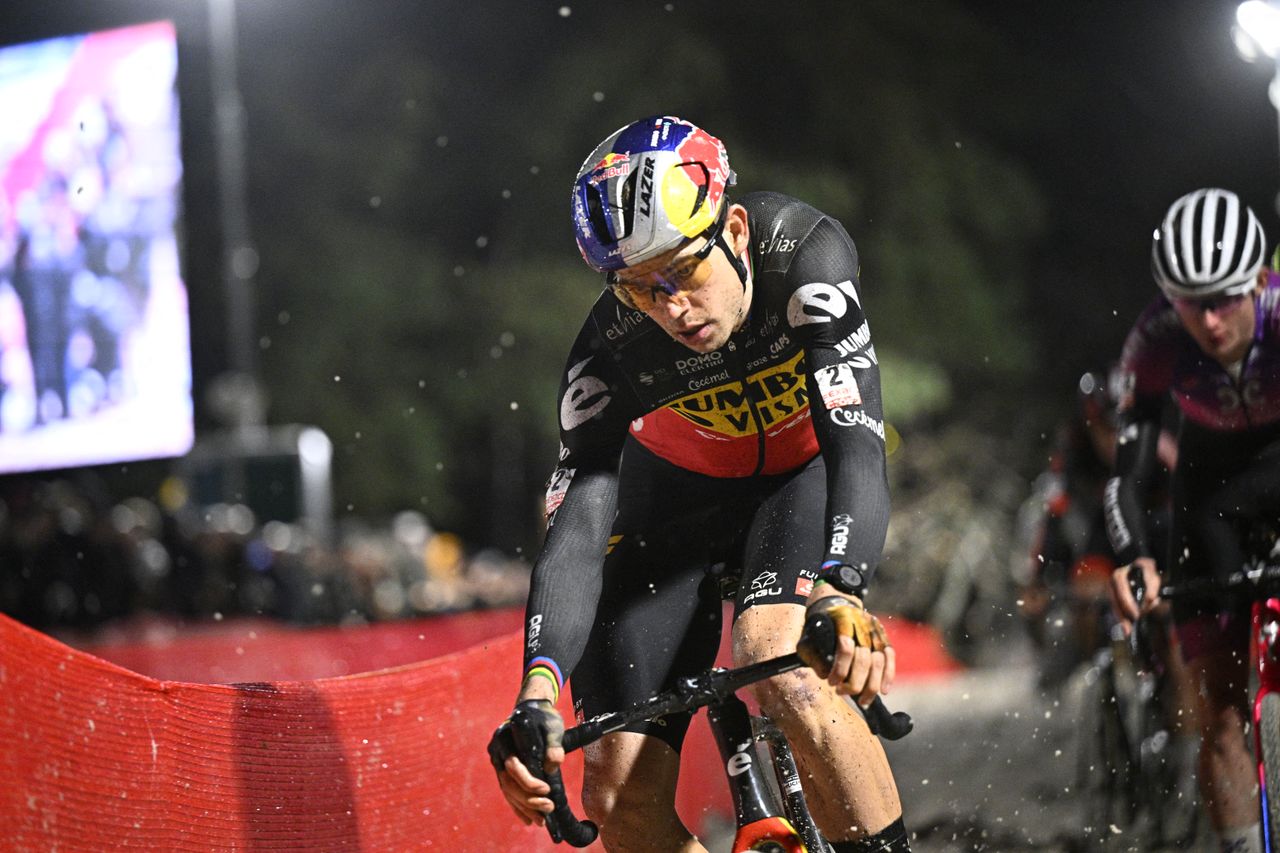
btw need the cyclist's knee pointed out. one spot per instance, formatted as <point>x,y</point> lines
<point>629,784</point>
<point>1223,694</point>
<point>791,696</point>
<point>625,813</point>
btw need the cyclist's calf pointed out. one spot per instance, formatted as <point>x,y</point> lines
<point>848,783</point>
<point>1228,775</point>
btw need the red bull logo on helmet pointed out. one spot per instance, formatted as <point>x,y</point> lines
<point>611,166</point>
<point>700,147</point>
<point>695,188</point>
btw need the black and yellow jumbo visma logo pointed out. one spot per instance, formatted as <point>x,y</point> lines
<point>778,393</point>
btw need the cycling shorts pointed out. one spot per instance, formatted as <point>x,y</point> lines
<point>679,542</point>
<point>1213,633</point>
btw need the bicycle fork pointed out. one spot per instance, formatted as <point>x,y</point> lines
<point>762,824</point>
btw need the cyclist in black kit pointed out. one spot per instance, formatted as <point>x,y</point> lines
<point>720,419</point>
<point>1212,342</point>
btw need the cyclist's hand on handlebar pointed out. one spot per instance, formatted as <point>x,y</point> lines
<point>862,663</point>
<point>1140,575</point>
<point>525,791</point>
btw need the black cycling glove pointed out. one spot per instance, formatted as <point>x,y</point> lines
<point>534,727</point>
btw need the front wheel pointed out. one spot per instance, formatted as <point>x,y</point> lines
<point>1269,738</point>
<point>1104,771</point>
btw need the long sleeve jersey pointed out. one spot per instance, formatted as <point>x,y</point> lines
<point>799,378</point>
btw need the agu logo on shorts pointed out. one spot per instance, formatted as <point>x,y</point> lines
<point>763,585</point>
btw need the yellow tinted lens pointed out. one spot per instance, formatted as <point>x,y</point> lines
<point>626,294</point>
<point>684,277</point>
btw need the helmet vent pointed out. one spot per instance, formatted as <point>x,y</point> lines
<point>596,215</point>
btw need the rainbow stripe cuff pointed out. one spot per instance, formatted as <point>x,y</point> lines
<point>548,669</point>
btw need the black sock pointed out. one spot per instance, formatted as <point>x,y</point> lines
<point>891,839</point>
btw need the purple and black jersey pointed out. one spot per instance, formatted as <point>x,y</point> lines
<point>1227,414</point>
<point>1161,358</point>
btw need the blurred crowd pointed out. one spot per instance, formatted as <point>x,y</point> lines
<point>74,559</point>
<point>974,548</point>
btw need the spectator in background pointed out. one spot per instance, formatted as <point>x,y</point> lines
<point>17,381</point>
<point>1066,568</point>
<point>48,254</point>
<point>72,559</point>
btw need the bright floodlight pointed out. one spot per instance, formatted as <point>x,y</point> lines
<point>1259,29</point>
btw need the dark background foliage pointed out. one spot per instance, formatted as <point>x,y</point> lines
<point>1000,166</point>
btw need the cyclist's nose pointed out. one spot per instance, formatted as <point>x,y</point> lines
<point>1212,318</point>
<point>673,306</point>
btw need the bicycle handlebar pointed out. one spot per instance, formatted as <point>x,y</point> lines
<point>1137,584</point>
<point>690,694</point>
<point>1261,577</point>
<point>883,723</point>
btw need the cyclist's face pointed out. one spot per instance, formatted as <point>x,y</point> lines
<point>1222,326</point>
<point>709,302</point>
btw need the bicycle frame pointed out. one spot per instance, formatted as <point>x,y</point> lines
<point>1263,578</point>
<point>787,827</point>
<point>1127,761</point>
<point>1265,620</point>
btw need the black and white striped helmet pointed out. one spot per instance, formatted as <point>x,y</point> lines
<point>1209,243</point>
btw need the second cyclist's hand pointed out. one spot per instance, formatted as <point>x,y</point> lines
<point>1123,602</point>
<point>526,793</point>
<point>864,663</point>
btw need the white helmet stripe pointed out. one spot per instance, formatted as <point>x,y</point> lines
<point>1227,242</point>
<point>1251,247</point>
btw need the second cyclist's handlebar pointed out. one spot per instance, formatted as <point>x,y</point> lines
<point>1264,578</point>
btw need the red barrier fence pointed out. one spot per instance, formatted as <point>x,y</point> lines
<point>99,757</point>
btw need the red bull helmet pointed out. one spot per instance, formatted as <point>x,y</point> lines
<point>647,189</point>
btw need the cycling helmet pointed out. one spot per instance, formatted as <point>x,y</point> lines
<point>1209,243</point>
<point>647,189</point>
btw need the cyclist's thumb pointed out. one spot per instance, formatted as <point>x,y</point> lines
<point>1122,601</point>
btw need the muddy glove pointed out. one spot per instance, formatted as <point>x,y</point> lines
<point>534,728</point>
<point>848,617</point>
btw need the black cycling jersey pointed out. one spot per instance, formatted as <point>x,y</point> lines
<point>799,378</point>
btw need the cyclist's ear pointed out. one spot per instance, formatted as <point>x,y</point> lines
<point>736,232</point>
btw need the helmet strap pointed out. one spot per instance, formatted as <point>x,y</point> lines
<point>739,267</point>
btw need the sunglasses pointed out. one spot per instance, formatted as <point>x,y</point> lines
<point>685,275</point>
<point>1216,304</point>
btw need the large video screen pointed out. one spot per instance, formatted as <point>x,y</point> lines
<point>95,360</point>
